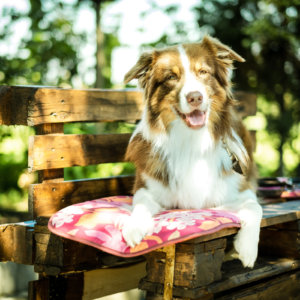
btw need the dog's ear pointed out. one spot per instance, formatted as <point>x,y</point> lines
<point>139,70</point>
<point>223,53</point>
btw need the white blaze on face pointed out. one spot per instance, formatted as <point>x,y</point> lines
<point>191,84</point>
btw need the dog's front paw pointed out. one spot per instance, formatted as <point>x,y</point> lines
<point>135,229</point>
<point>247,246</point>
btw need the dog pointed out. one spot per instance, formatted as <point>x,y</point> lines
<point>190,149</point>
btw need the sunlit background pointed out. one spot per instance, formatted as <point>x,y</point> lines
<point>55,43</point>
<point>92,43</point>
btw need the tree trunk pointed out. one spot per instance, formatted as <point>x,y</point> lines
<point>100,57</point>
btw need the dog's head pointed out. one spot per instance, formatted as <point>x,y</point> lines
<point>189,81</point>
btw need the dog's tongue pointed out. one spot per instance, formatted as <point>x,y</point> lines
<point>196,118</point>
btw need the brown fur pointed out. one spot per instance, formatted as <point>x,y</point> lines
<point>161,75</point>
<point>139,151</point>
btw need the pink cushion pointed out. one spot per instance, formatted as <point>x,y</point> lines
<point>92,223</point>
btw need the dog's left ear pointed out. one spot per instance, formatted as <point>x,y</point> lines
<point>223,53</point>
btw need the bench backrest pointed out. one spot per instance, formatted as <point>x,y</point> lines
<point>50,150</point>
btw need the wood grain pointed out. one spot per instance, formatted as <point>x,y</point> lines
<point>47,198</point>
<point>169,271</point>
<point>87,285</point>
<point>286,286</point>
<point>99,283</point>
<point>61,151</point>
<point>16,242</point>
<point>33,105</point>
<point>234,276</point>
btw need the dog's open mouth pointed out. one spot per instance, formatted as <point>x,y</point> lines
<point>195,119</point>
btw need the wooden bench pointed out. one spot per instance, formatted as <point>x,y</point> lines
<point>70,270</point>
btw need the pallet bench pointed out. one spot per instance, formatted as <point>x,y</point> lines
<point>70,270</point>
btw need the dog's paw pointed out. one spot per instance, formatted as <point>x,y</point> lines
<point>135,229</point>
<point>247,246</point>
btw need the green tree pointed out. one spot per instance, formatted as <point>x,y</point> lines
<point>50,44</point>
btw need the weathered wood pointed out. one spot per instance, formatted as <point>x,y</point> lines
<point>87,285</point>
<point>54,174</point>
<point>38,105</point>
<point>286,286</point>
<point>280,213</point>
<point>195,264</point>
<point>60,151</point>
<point>98,283</point>
<point>169,271</point>
<point>234,276</point>
<point>13,108</point>
<point>281,241</point>
<point>16,242</point>
<point>47,198</point>
<point>55,255</point>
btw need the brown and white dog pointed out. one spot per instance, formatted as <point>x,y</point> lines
<point>184,144</point>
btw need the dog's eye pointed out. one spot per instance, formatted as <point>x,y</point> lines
<point>172,77</point>
<point>202,72</point>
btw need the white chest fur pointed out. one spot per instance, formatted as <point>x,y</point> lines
<point>195,168</point>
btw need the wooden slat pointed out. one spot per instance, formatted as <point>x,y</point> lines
<point>64,105</point>
<point>286,286</point>
<point>16,242</point>
<point>47,198</point>
<point>32,105</point>
<point>87,285</point>
<point>13,108</point>
<point>50,174</point>
<point>280,213</point>
<point>234,276</point>
<point>99,283</point>
<point>61,151</point>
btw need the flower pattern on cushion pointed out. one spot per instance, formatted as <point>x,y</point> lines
<point>66,215</point>
<point>98,223</point>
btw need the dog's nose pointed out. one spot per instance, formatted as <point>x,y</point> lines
<point>194,98</point>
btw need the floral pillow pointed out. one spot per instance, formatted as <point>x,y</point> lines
<point>97,223</point>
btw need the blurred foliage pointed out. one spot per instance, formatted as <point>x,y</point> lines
<point>266,33</point>
<point>102,170</point>
<point>46,55</point>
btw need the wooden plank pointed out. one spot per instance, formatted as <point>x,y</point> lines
<point>282,240</point>
<point>66,105</point>
<point>47,198</point>
<point>33,105</point>
<point>60,151</point>
<point>50,175</point>
<point>13,109</point>
<point>87,285</point>
<point>286,286</point>
<point>234,276</point>
<point>169,271</point>
<point>280,213</point>
<point>99,283</point>
<point>16,242</point>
